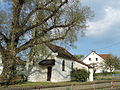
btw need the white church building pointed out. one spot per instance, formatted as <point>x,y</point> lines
<point>57,67</point>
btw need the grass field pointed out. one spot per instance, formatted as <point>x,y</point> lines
<point>30,84</point>
<point>64,85</point>
<point>44,84</point>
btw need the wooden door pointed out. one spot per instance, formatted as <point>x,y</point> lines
<point>49,72</point>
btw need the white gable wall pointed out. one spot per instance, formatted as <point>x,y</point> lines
<point>57,74</point>
<point>81,66</point>
<point>93,57</point>
<point>38,74</point>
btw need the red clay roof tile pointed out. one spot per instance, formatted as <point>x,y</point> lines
<point>104,56</point>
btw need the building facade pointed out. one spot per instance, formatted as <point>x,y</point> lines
<point>96,61</point>
<point>60,69</point>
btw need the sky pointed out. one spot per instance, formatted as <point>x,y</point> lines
<point>103,33</point>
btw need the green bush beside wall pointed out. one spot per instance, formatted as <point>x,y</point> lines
<point>80,75</point>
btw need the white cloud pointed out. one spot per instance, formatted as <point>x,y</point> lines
<point>112,17</point>
<point>1,0</point>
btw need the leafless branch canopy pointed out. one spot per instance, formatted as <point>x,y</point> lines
<point>52,19</point>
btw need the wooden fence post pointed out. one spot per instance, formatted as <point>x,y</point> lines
<point>37,88</point>
<point>72,87</point>
<point>94,88</point>
<point>112,84</point>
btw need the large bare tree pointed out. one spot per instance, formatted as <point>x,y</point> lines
<point>50,19</point>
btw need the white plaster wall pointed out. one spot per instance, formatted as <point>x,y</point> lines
<point>0,58</point>
<point>91,74</point>
<point>57,74</point>
<point>93,57</point>
<point>81,66</point>
<point>1,66</point>
<point>38,74</point>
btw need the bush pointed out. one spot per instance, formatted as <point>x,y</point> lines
<point>79,75</point>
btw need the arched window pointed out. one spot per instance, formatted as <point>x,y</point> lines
<point>63,65</point>
<point>72,66</point>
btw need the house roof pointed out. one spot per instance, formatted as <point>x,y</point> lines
<point>104,56</point>
<point>63,53</point>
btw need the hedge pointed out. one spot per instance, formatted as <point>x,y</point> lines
<point>79,75</point>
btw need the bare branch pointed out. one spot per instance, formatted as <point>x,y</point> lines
<point>47,30</point>
<point>17,6</point>
<point>3,37</point>
<point>58,26</point>
<point>47,18</point>
<point>35,10</point>
<point>32,42</point>
<point>22,31</point>
<point>1,49</point>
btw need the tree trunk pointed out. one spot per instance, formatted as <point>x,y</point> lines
<point>9,67</point>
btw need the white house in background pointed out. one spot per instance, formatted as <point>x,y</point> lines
<point>96,60</point>
<point>57,67</point>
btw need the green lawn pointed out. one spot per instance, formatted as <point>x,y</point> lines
<point>44,84</point>
<point>35,84</point>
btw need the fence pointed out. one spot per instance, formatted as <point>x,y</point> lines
<point>110,84</point>
<point>88,86</point>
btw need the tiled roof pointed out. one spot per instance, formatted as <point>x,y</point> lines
<point>63,53</point>
<point>104,56</point>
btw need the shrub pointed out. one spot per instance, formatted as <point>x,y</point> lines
<point>79,75</point>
